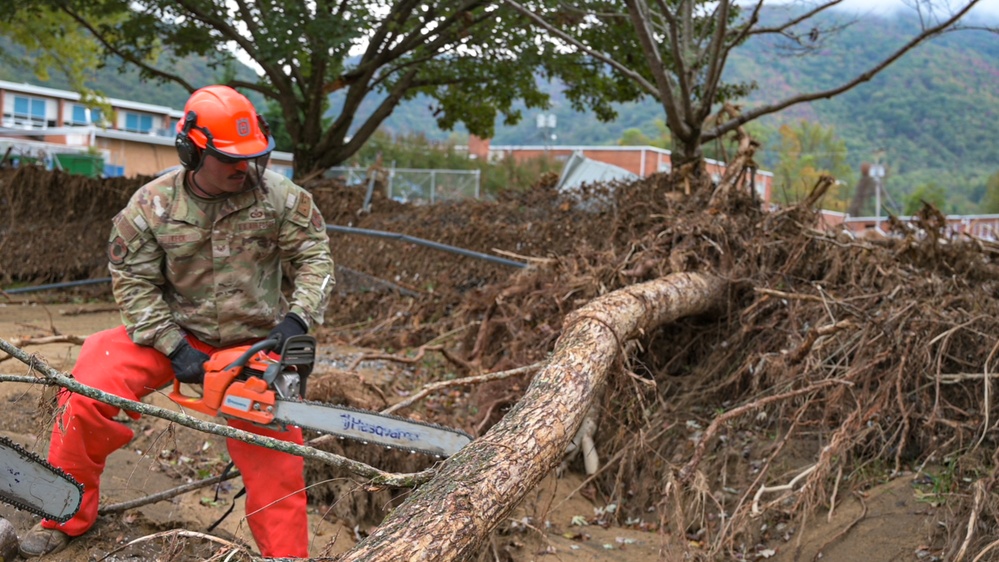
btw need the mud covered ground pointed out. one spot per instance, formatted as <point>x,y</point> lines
<point>837,405</point>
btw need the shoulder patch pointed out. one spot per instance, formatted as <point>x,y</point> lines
<point>317,220</point>
<point>117,250</point>
<point>304,204</point>
<point>125,227</point>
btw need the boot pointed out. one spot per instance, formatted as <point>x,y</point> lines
<point>40,541</point>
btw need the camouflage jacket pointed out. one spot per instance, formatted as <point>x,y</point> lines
<point>176,269</point>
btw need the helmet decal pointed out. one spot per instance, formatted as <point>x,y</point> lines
<point>243,127</point>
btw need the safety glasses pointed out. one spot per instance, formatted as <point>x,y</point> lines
<point>255,160</point>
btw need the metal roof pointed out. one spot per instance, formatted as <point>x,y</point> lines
<point>580,170</point>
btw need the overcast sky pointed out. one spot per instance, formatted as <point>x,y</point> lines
<point>984,8</point>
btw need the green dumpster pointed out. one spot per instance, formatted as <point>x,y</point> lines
<point>89,165</point>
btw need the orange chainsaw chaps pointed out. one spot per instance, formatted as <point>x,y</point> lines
<point>249,400</point>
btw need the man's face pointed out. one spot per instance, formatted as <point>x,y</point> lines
<point>216,177</point>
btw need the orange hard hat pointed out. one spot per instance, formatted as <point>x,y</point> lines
<point>224,122</point>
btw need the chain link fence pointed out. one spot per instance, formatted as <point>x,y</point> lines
<point>413,185</point>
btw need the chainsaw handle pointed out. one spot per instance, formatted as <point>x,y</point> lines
<point>261,345</point>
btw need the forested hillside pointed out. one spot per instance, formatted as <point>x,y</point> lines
<point>933,114</point>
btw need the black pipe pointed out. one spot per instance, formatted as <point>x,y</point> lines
<point>428,243</point>
<point>65,285</point>
<point>329,227</point>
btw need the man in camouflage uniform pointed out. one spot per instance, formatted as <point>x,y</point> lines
<point>196,263</point>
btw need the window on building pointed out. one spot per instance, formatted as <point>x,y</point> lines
<point>78,115</point>
<point>28,111</point>
<point>138,122</point>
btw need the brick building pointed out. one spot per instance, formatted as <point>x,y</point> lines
<point>52,127</point>
<point>640,160</point>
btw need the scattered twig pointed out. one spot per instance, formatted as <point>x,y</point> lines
<point>65,338</point>
<point>435,386</point>
<point>813,335</point>
<point>167,494</point>
<point>411,360</point>
<point>43,340</point>
<point>990,546</point>
<point>987,398</point>
<point>610,462</point>
<point>789,486</point>
<point>528,259</point>
<point>832,497</point>
<point>972,520</point>
<point>789,296</point>
<point>712,429</point>
<point>181,533</point>
<point>956,378</point>
<point>391,357</point>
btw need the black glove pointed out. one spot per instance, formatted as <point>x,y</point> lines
<point>188,363</point>
<point>292,325</point>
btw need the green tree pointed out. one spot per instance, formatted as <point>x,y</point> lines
<point>807,151</point>
<point>926,193</point>
<point>634,137</point>
<point>676,52</point>
<point>471,60</point>
<point>52,42</point>
<point>990,201</point>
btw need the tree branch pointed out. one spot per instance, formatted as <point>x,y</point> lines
<point>377,476</point>
<point>127,57</point>
<point>634,76</point>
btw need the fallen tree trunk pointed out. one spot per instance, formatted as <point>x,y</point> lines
<point>451,516</point>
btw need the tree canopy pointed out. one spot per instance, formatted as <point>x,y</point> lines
<point>471,60</point>
<point>55,44</point>
<point>331,73</point>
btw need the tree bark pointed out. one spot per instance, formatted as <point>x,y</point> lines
<point>450,517</point>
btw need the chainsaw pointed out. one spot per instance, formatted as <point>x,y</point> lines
<point>252,383</point>
<point>27,482</point>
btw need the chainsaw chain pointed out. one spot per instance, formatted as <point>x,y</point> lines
<point>369,412</point>
<point>12,446</point>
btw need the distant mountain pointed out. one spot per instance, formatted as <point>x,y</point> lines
<point>935,112</point>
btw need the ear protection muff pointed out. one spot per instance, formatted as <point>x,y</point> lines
<point>265,127</point>
<point>188,152</point>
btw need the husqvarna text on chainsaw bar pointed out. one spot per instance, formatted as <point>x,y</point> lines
<point>251,384</point>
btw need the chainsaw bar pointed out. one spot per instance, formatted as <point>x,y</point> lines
<point>33,485</point>
<point>370,427</point>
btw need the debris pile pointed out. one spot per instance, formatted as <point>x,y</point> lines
<point>834,362</point>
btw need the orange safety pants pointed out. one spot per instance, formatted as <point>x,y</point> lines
<point>87,433</point>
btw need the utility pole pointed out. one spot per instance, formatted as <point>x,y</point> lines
<point>878,173</point>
